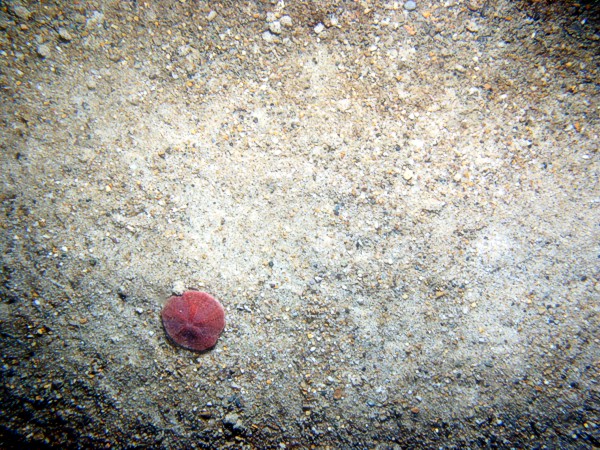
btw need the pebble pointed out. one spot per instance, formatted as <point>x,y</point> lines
<point>205,414</point>
<point>79,18</point>
<point>408,174</point>
<point>286,21</point>
<point>233,422</point>
<point>432,206</point>
<point>43,50</point>
<point>338,393</point>
<point>269,37</point>
<point>275,27</point>
<point>355,380</point>
<point>21,12</point>
<point>184,50</point>
<point>472,26</point>
<point>231,419</point>
<point>410,5</point>
<point>95,19</point>
<point>319,28</point>
<point>211,16</point>
<point>64,34</point>
<point>178,287</point>
<point>344,104</point>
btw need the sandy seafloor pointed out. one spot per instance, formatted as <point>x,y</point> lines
<point>397,208</point>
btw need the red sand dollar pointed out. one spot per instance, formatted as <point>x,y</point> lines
<point>193,320</point>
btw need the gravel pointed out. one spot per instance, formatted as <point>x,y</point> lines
<point>410,5</point>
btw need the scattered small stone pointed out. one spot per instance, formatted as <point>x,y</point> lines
<point>64,34</point>
<point>269,37</point>
<point>233,422</point>
<point>184,50</point>
<point>231,419</point>
<point>211,15</point>
<point>344,104</point>
<point>319,28</point>
<point>43,50</point>
<point>79,18</point>
<point>275,27</point>
<point>21,12</point>
<point>286,21</point>
<point>474,5</point>
<point>178,287</point>
<point>410,30</point>
<point>337,394</point>
<point>271,17</point>
<point>356,380</point>
<point>432,205</point>
<point>408,174</point>
<point>472,26</point>
<point>91,84</point>
<point>95,19</point>
<point>410,5</point>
